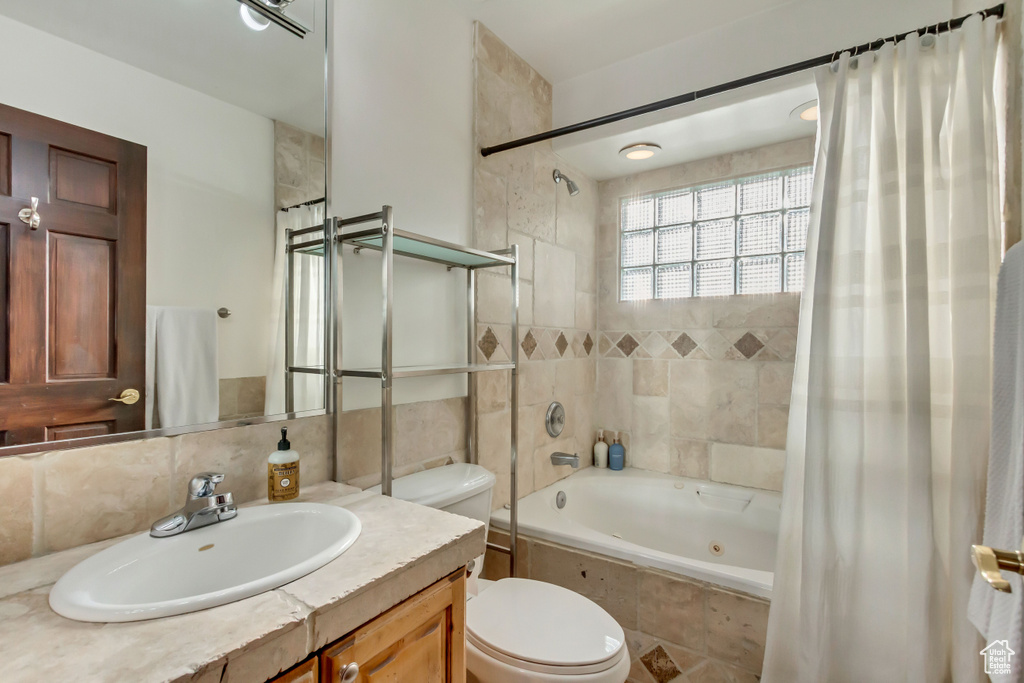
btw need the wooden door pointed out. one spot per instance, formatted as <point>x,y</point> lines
<point>73,291</point>
<point>422,640</point>
<point>307,672</point>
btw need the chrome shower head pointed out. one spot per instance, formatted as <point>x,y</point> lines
<point>573,188</point>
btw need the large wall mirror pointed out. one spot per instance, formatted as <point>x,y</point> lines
<point>153,156</point>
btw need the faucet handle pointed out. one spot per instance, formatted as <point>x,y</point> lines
<point>203,484</point>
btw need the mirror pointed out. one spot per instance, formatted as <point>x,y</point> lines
<point>152,157</point>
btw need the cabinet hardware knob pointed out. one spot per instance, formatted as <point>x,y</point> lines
<point>349,673</point>
<point>30,216</point>
<point>128,397</point>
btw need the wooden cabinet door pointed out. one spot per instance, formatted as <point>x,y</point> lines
<point>72,291</point>
<point>307,672</point>
<point>422,640</point>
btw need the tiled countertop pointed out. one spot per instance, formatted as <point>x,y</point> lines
<point>402,549</point>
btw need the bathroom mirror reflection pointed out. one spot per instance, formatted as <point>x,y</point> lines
<point>152,156</point>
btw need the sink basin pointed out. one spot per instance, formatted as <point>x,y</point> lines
<point>260,549</point>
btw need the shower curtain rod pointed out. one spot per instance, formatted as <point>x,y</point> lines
<point>942,27</point>
<point>311,202</point>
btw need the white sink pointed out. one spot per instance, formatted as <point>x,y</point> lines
<point>260,549</point>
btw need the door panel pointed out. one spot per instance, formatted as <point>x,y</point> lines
<point>82,180</point>
<point>61,432</point>
<point>82,276</point>
<point>5,164</point>
<point>76,286</point>
<point>5,258</point>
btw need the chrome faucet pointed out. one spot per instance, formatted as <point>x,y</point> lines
<point>565,459</point>
<point>204,507</point>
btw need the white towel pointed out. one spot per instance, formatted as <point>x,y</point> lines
<point>998,616</point>
<point>181,365</point>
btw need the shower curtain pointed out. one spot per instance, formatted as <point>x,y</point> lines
<point>888,431</point>
<point>307,314</point>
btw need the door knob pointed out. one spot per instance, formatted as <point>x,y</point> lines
<point>990,561</point>
<point>30,215</point>
<point>348,673</point>
<point>128,397</point>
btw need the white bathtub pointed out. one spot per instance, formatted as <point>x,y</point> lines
<point>657,520</point>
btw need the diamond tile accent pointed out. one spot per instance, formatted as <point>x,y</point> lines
<point>488,343</point>
<point>529,344</point>
<point>627,344</point>
<point>660,665</point>
<point>748,345</point>
<point>588,344</point>
<point>684,345</point>
<point>561,343</point>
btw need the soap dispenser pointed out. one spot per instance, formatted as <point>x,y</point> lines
<point>601,451</point>
<point>283,471</point>
<point>616,455</point>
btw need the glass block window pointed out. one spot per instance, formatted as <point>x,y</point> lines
<point>743,236</point>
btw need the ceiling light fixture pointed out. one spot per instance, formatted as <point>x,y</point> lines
<point>639,151</point>
<point>253,20</point>
<point>808,111</point>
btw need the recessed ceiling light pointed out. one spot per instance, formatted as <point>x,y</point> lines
<point>808,111</point>
<point>253,20</point>
<point>639,152</point>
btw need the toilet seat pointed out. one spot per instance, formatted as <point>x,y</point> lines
<point>543,628</point>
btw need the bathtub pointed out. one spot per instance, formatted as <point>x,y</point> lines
<point>710,532</point>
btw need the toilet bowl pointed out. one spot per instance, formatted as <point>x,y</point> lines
<point>520,630</point>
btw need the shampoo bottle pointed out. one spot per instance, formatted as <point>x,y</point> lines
<point>283,471</point>
<point>616,455</point>
<point>601,451</point>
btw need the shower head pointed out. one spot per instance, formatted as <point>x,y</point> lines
<point>573,188</point>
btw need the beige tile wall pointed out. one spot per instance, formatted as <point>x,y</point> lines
<point>698,387</point>
<point>242,397</point>
<point>298,165</point>
<point>61,499</point>
<point>518,202</point>
<point>427,434</point>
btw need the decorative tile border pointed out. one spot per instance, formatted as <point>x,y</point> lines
<point>769,344</point>
<point>535,343</point>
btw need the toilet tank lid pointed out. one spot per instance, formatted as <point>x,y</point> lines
<point>442,486</point>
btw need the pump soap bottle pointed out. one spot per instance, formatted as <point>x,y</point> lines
<point>601,451</point>
<point>283,471</point>
<point>616,455</point>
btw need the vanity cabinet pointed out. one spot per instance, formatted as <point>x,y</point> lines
<point>422,640</point>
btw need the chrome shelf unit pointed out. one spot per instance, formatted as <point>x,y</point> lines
<point>312,241</point>
<point>391,242</point>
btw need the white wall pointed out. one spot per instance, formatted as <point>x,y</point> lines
<point>210,238</point>
<point>798,30</point>
<point>402,134</point>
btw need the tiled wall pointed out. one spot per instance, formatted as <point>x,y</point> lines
<point>698,387</point>
<point>427,434</point>
<point>242,397</point>
<point>298,165</point>
<point>673,625</point>
<point>61,499</point>
<point>518,202</point>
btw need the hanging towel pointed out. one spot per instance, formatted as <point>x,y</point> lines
<point>998,616</point>
<point>181,365</point>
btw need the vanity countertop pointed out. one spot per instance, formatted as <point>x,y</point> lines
<point>402,549</point>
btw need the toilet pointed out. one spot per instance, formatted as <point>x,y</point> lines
<point>520,630</point>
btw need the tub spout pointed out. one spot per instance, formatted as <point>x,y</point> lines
<point>565,459</point>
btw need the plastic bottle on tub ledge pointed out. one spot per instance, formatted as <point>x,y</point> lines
<point>616,455</point>
<point>601,451</point>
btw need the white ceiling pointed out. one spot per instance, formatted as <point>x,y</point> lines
<point>201,44</point>
<point>566,38</point>
<point>742,119</point>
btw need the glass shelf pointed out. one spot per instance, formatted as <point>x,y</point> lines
<point>428,249</point>
<point>428,370</point>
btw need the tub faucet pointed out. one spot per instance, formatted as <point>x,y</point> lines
<point>565,459</point>
<point>203,507</point>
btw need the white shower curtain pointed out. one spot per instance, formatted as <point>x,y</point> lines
<point>888,432</point>
<point>307,314</point>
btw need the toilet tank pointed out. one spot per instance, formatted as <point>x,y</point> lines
<point>462,489</point>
